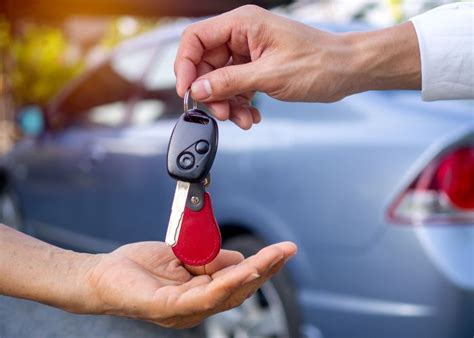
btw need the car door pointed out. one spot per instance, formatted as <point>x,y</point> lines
<point>137,190</point>
<point>63,175</point>
<point>50,181</point>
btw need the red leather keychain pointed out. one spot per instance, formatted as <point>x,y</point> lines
<point>193,232</point>
<point>199,239</point>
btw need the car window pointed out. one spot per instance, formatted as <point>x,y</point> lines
<point>158,99</point>
<point>106,115</point>
<point>131,62</point>
<point>161,75</point>
<point>155,105</point>
<point>147,111</point>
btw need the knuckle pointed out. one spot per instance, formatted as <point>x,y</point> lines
<point>250,8</point>
<point>188,30</point>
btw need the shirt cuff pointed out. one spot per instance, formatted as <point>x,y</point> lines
<point>446,40</point>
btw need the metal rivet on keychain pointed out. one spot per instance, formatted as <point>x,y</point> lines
<point>186,100</point>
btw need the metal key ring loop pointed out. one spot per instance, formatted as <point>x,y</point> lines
<point>186,100</point>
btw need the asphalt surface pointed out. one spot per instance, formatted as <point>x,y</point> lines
<point>25,319</point>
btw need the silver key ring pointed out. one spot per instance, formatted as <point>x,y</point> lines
<point>186,99</point>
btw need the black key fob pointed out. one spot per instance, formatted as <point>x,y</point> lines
<point>192,147</point>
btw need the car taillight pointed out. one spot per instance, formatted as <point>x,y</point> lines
<point>443,193</point>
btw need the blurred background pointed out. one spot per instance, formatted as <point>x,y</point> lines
<point>382,209</point>
<point>44,45</point>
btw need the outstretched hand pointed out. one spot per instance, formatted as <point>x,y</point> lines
<point>146,281</point>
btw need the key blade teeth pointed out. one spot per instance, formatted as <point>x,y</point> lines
<point>177,212</point>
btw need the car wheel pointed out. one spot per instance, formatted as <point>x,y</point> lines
<point>9,210</point>
<point>271,312</point>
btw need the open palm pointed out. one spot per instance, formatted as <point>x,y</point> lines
<point>146,281</point>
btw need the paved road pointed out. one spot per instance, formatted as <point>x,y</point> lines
<point>25,319</point>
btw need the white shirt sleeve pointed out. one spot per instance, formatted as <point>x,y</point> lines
<point>446,40</point>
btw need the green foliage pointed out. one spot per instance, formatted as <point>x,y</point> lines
<point>41,59</point>
<point>41,66</point>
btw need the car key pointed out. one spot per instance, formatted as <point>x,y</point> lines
<point>192,232</point>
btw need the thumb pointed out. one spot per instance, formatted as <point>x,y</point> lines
<point>224,83</point>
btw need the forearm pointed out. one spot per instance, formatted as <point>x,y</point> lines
<point>385,59</point>
<point>34,270</point>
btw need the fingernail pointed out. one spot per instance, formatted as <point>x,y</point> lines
<point>252,277</point>
<point>201,89</point>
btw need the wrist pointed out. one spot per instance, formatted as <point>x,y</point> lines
<point>83,296</point>
<point>38,271</point>
<point>385,59</point>
<point>70,288</point>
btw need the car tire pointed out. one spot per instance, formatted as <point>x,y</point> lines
<point>275,302</point>
<point>9,210</point>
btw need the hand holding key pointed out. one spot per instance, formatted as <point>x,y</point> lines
<point>225,59</point>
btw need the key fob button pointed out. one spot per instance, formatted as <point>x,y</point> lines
<point>196,135</point>
<point>186,161</point>
<point>202,147</point>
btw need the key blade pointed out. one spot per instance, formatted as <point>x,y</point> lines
<point>177,211</point>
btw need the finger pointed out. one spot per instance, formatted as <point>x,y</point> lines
<point>219,109</point>
<point>201,298</point>
<point>183,300</point>
<point>213,59</point>
<point>228,283</point>
<point>224,259</point>
<point>227,291</point>
<point>213,296</point>
<point>223,83</point>
<point>248,289</point>
<point>242,112</point>
<point>266,258</point>
<point>195,40</point>
<point>241,115</point>
<point>256,117</point>
<point>215,63</point>
<point>238,59</point>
